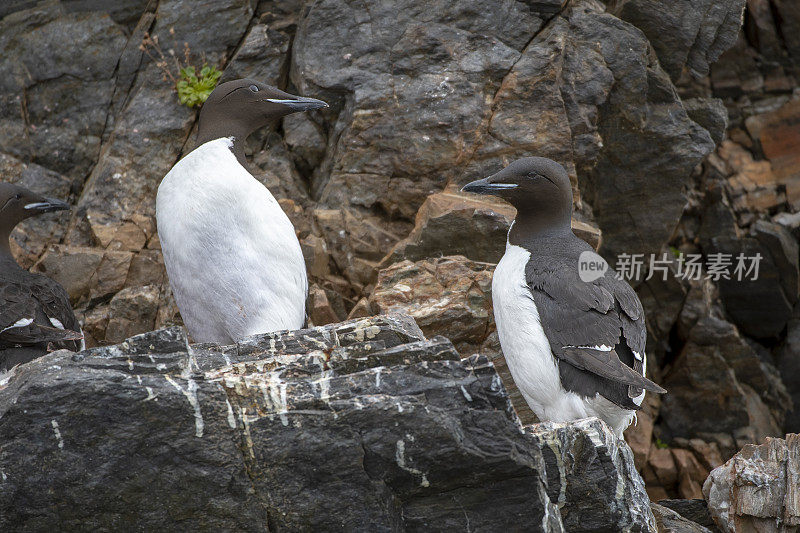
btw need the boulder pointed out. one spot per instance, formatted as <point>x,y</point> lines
<point>707,395</point>
<point>586,463</point>
<point>455,223</point>
<point>757,490</point>
<point>362,425</point>
<point>467,113</point>
<point>450,296</point>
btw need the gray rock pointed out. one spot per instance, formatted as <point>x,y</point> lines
<point>760,307</point>
<point>686,36</point>
<point>710,113</point>
<point>756,490</point>
<point>270,440</point>
<point>361,426</point>
<point>624,135</point>
<point>783,250</point>
<point>587,464</point>
<point>706,395</point>
<point>58,82</point>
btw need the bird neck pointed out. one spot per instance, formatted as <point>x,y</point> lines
<point>6,257</point>
<point>531,229</point>
<point>213,130</point>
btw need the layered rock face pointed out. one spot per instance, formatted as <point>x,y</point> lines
<point>360,426</point>
<point>758,489</point>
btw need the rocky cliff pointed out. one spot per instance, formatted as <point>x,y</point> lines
<point>360,426</point>
<point>678,127</point>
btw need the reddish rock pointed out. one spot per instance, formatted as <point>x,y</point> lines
<point>689,466</point>
<point>319,308</point>
<point>362,309</point>
<point>779,135</point>
<point>132,311</point>
<point>111,274</point>
<point>450,296</point>
<point>663,464</point>
<point>72,267</point>
<point>147,268</point>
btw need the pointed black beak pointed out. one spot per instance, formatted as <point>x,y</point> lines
<point>299,103</point>
<point>486,186</point>
<point>47,205</point>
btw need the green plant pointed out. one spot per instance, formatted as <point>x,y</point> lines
<point>661,444</point>
<point>193,90</point>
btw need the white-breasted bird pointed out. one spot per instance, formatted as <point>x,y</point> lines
<point>232,256</point>
<point>574,348</point>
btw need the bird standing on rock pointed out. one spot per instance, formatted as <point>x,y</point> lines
<point>35,313</point>
<point>231,253</point>
<point>575,348</point>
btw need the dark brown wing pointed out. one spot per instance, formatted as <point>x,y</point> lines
<point>36,310</point>
<point>596,331</point>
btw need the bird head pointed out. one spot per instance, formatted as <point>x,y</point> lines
<point>18,203</point>
<point>538,187</point>
<point>240,107</point>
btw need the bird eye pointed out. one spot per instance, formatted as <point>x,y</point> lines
<point>254,88</point>
<point>18,197</point>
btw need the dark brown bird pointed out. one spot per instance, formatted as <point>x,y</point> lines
<point>35,313</point>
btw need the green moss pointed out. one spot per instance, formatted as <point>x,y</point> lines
<point>194,89</point>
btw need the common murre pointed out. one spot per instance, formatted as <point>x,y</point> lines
<point>35,314</point>
<point>575,348</point>
<point>232,256</point>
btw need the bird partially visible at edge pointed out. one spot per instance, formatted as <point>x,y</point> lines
<point>575,348</point>
<point>35,313</point>
<point>232,256</point>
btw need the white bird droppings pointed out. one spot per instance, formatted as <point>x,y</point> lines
<point>231,418</point>
<point>191,395</point>
<point>57,433</point>
<point>466,394</point>
<point>400,458</point>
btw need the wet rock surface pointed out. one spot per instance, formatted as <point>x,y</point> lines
<point>362,425</point>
